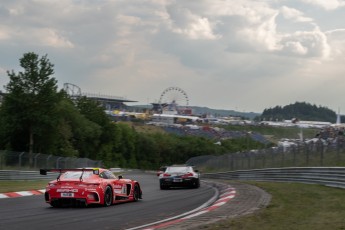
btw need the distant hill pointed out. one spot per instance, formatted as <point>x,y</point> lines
<point>300,111</point>
<point>197,110</point>
<point>222,112</point>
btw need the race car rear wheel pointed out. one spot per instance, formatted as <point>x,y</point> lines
<point>197,184</point>
<point>108,196</point>
<point>136,193</point>
<point>55,204</point>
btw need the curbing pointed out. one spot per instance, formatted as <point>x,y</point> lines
<point>21,193</point>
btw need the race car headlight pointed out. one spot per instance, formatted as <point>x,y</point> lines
<point>51,184</point>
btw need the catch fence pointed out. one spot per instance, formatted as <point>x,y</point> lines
<point>11,160</point>
<point>313,154</point>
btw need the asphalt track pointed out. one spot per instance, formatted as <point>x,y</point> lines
<point>26,213</point>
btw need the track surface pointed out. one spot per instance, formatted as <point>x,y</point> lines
<point>26,213</point>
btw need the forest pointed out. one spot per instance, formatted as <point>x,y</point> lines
<point>36,117</point>
<point>300,111</point>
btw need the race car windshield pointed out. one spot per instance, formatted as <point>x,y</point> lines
<point>178,169</point>
<point>76,175</point>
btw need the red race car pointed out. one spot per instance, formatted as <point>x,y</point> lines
<point>85,186</point>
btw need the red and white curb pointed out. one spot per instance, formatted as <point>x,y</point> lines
<point>22,193</point>
<point>226,194</point>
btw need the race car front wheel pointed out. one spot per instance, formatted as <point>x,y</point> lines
<point>108,196</point>
<point>136,193</point>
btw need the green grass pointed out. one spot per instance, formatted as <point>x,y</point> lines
<point>25,185</point>
<point>293,206</point>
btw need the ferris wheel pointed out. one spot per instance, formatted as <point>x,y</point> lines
<point>173,98</point>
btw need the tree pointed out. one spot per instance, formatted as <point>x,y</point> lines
<point>30,103</point>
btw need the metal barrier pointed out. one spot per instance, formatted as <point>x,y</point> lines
<point>35,175</point>
<point>329,176</point>
<point>26,175</point>
<point>10,160</point>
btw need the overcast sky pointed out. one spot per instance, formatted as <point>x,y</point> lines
<point>225,54</point>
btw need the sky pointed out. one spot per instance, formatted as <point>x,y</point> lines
<point>223,54</point>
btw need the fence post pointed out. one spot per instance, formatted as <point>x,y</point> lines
<point>57,162</point>
<point>47,160</point>
<point>231,162</point>
<point>263,159</point>
<point>66,162</point>
<point>294,154</point>
<point>321,153</point>
<point>20,159</point>
<point>307,155</point>
<point>2,156</point>
<point>248,160</point>
<point>272,157</point>
<point>35,159</point>
<point>283,158</point>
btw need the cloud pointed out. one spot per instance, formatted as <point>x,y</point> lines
<point>223,53</point>
<point>185,22</point>
<point>307,43</point>
<point>294,14</point>
<point>326,4</point>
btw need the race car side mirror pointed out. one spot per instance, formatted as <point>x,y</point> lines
<point>120,177</point>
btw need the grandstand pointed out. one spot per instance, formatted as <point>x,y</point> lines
<point>109,102</point>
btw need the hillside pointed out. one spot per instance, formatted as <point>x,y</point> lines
<point>300,111</point>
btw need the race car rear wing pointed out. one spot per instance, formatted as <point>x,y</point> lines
<point>60,171</point>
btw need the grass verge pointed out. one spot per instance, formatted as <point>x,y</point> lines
<point>293,206</point>
<point>25,185</point>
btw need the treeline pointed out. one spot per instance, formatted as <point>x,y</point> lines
<point>300,111</point>
<point>36,117</point>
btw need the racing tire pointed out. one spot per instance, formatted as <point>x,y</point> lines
<point>164,187</point>
<point>195,184</point>
<point>55,204</point>
<point>108,196</point>
<point>136,193</point>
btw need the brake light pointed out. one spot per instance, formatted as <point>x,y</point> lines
<point>166,175</point>
<point>187,175</point>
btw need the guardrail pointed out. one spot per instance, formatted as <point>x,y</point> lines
<point>35,175</point>
<point>26,175</point>
<point>329,176</point>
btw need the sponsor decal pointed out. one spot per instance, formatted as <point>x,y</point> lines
<point>66,190</point>
<point>117,191</point>
<point>118,186</point>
